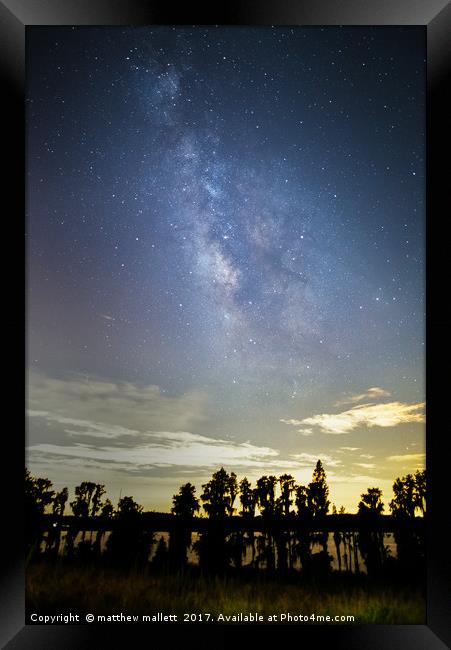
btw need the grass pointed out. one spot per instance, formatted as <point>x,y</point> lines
<point>56,587</point>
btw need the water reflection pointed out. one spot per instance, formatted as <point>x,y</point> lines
<point>350,556</point>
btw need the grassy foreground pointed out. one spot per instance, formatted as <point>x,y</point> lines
<point>54,588</point>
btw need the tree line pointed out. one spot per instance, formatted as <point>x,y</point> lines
<point>276,499</point>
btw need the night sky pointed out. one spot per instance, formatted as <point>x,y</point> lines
<point>226,233</point>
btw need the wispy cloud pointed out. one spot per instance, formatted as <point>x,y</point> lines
<point>165,448</point>
<point>109,409</point>
<point>182,450</point>
<point>84,427</point>
<point>114,425</point>
<point>306,432</point>
<point>363,479</point>
<point>303,431</point>
<point>310,459</point>
<point>366,415</point>
<point>408,458</point>
<point>294,423</point>
<point>372,393</point>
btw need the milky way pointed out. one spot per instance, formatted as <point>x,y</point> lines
<point>231,213</point>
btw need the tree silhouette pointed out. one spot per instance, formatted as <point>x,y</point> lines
<point>83,495</point>
<point>219,494</point>
<point>54,534</point>
<point>38,492</point>
<point>287,486</point>
<point>128,543</point>
<point>282,536</point>
<point>318,503</point>
<point>409,495</point>
<point>96,503</point>
<point>218,498</point>
<point>107,509</point>
<point>370,538</point>
<point>59,502</point>
<point>247,498</point>
<point>38,496</point>
<point>301,501</point>
<point>233,491</point>
<point>266,498</point>
<point>371,502</point>
<point>337,539</point>
<point>420,490</point>
<point>185,504</point>
<point>105,516</point>
<point>87,503</point>
<point>302,547</point>
<point>405,499</point>
<point>128,510</point>
<point>266,495</point>
<point>318,492</point>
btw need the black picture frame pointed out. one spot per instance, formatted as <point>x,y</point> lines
<point>435,16</point>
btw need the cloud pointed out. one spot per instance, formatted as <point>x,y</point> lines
<point>109,409</point>
<point>367,415</point>
<point>371,393</point>
<point>114,426</point>
<point>84,427</point>
<point>183,449</point>
<point>179,450</point>
<point>353,478</point>
<point>302,431</point>
<point>311,459</point>
<point>306,432</point>
<point>377,392</point>
<point>166,449</point>
<point>366,465</point>
<point>350,448</point>
<point>408,458</point>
